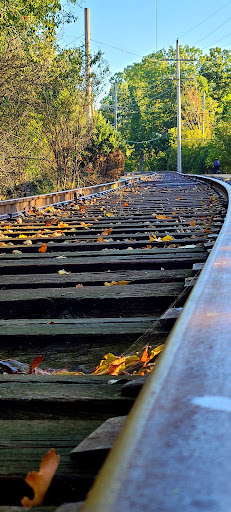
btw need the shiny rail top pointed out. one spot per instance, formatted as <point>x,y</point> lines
<point>174,453</point>
<point>15,206</point>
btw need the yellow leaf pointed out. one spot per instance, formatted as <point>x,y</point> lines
<point>63,272</point>
<point>161,216</point>
<point>156,351</point>
<point>22,236</point>
<point>40,480</point>
<point>109,215</point>
<point>167,238</point>
<point>152,238</point>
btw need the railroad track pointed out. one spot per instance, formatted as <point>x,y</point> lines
<point>153,238</point>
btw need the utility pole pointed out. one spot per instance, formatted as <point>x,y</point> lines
<point>87,61</point>
<point>115,109</point>
<point>156,25</point>
<point>203,116</point>
<point>179,168</point>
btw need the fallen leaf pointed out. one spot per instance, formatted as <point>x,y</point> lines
<point>192,223</point>
<point>100,240</point>
<point>109,215</point>
<point>62,225</point>
<point>79,285</point>
<point>43,248</point>
<point>213,198</point>
<point>145,357</point>
<point>156,351</point>
<point>160,216</point>
<point>22,236</point>
<point>40,480</point>
<point>179,198</point>
<point>35,363</point>
<point>125,205</point>
<point>62,272</point>
<point>106,232</point>
<point>152,238</point>
<point>116,283</point>
<point>167,238</point>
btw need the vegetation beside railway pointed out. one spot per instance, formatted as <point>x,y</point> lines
<point>147,109</point>
<point>46,143</point>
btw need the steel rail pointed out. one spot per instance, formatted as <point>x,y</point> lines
<point>16,206</point>
<point>174,452</point>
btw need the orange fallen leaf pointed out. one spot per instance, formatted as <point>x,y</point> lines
<point>145,358</point>
<point>116,283</point>
<point>43,248</point>
<point>192,223</point>
<point>35,363</point>
<point>100,240</point>
<point>40,480</point>
<point>161,216</point>
<point>63,225</point>
<point>79,285</point>
<point>125,205</point>
<point>179,198</point>
<point>106,231</point>
<point>213,198</point>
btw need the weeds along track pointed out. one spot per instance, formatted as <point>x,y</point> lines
<point>95,276</point>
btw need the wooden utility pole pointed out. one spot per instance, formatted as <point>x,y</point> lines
<point>115,109</point>
<point>87,61</point>
<point>203,116</point>
<point>179,168</point>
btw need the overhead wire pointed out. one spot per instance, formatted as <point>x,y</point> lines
<point>206,19</point>
<point>212,32</point>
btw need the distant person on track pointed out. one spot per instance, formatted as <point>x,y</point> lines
<point>216,166</point>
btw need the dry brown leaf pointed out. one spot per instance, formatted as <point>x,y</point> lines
<point>79,285</point>
<point>192,223</point>
<point>40,480</point>
<point>106,231</point>
<point>125,205</point>
<point>43,248</point>
<point>100,240</point>
<point>161,216</point>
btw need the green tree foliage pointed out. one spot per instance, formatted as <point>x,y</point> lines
<point>45,136</point>
<point>147,110</point>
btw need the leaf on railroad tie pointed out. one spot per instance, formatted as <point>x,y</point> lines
<point>43,248</point>
<point>116,283</point>
<point>109,215</point>
<point>179,198</point>
<point>145,357</point>
<point>213,198</point>
<point>167,238</point>
<point>207,230</point>
<point>62,272</point>
<point>85,226</point>
<point>83,208</point>
<point>152,237</point>
<point>22,236</point>
<point>63,225</point>
<point>125,205</point>
<point>192,223</point>
<point>101,209</point>
<point>160,216</point>
<point>79,285</point>
<point>100,240</point>
<point>35,363</point>
<point>106,231</point>
<point>156,351</point>
<point>40,480</point>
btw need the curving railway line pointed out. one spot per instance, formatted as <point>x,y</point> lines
<point>109,270</point>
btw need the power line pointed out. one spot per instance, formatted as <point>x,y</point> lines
<point>198,25</point>
<point>142,141</point>
<point>217,41</point>
<point>116,48</point>
<point>202,39</point>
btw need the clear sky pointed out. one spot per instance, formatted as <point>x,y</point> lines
<point>130,25</point>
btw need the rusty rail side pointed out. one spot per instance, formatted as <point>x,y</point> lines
<point>174,453</point>
<point>15,206</point>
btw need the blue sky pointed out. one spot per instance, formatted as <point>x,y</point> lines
<point>130,25</point>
